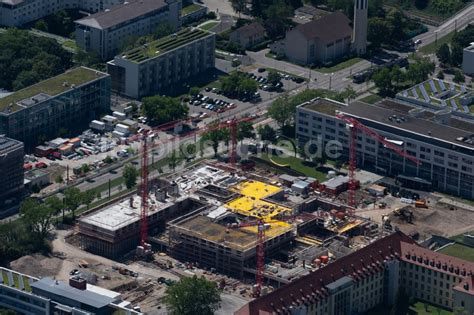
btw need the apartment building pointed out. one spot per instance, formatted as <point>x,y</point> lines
<point>106,32</point>
<point>68,101</point>
<point>24,294</point>
<point>157,66</point>
<point>12,174</point>
<point>19,12</point>
<point>371,277</point>
<point>443,144</point>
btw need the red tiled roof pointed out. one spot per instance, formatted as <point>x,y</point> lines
<point>359,264</point>
<point>466,286</point>
<point>436,261</point>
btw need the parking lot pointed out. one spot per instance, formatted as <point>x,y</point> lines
<point>210,102</point>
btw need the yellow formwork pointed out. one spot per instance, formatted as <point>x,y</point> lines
<point>251,205</point>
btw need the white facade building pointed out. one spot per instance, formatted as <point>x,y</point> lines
<point>468,60</point>
<point>106,32</point>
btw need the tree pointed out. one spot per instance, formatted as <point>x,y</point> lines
<point>37,216</point>
<point>85,168</point>
<point>59,179</point>
<point>174,159</point>
<point>456,54</point>
<point>194,91</point>
<point>459,77</point>
<point>383,81</point>
<point>273,77</point>
<point>440,75</point>
<point>349,93</point>
<point>55,204</point>
<point>130,175</point>
<point>282,110</point>
<point>277,18</point>
<point>192,296</point>
<point>41,25</point>
<point>188,151</point>
<point>377,31</point>
<point>419,71</point>
<point>237,84</point>
<point>87,197</point>
<point>239,6</point>
<point>396,22</point>
<point>108,160</point>
<point>444,54</point>
<point>72,199</point>
<point>245,131</point>
<point>215,136</point>
<point>267,134</point>
<point>163,109</point>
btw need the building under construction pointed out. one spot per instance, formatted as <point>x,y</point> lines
<point>209,215</point>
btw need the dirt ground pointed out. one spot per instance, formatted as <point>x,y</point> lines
<point>37,265</point>
<point>439,218</point>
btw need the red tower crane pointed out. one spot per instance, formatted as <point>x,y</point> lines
<point>354,126</point>
<point>232,124</point>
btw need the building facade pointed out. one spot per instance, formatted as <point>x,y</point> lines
<point>68,101</point>
<point>468,60</point>
<point>320,41</point>
<point>443,145</point>
<point>106,32</point>
<point>158,66</point>
<point>248,35</point>
<point>11,170</point>
<point>19,12</point>
<point>371,277</point>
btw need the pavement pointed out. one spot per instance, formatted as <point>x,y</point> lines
<point>221,7</point>
<point>457,22</point>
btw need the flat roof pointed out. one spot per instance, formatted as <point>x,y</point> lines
<point>8,144</point>
<point>51,87</point>
<point>61,288</point>
<point>165,44</point>
<point>424,127</point>
<point>324,106</point>
<point>121,13</point>
<point>120,215</point>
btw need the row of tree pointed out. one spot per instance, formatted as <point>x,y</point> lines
<point>390,81</point>
<point>451,54</point>
<point>283,109</point>
<point>238,84</point>
<point>26,59</point>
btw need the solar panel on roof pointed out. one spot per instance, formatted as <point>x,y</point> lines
<point>441,84</point>
<point>433,86</point>
<point>453,105</point>
<point>465,108</point>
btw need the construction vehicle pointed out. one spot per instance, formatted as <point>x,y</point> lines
<point>421,203</point>
<point>405,213</point>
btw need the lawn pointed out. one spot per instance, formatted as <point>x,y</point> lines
<point>208,25</point>
<point>371,99</point>
<point>295,164</point>
<point>342,65</point>
<point>431,48</point>
<point>460,251</point>
<point>70,44</point>
<point>190,9</point>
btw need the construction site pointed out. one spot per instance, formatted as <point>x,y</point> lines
<point>222,220</point>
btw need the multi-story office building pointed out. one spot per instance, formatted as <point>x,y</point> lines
<point>158,66</point>
<point>19,12</point>
<point>68,101</point>
<point>11,170</point>
<point>372,276</point>
<point>106,32</point>
<point>443,144</point>
<point>28,295</point>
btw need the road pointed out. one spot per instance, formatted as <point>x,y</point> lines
<point>459,21</point>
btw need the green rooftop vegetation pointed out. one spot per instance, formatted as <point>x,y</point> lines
<point>16,280</point>
<point>52,86</point>
<point>324,107</point>
<point>164,44</point>
<point>459,251</point>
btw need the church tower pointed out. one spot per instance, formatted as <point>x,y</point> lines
<point>359,38</point>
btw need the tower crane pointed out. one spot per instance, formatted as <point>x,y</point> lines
<point>354,126</point>
<point>232,124</point>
